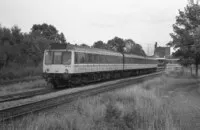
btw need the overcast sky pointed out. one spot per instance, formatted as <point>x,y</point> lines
<point>87,21</point>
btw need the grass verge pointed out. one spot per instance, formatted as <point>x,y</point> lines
<point>138,107</point>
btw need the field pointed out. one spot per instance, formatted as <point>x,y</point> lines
<point>164,103</point>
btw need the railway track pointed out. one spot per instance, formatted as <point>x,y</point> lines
<point>23,95</point>
<point>21,110</point>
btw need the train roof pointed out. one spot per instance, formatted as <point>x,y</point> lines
<point>64,47</point>
<point>94,50</point>
<point>172,59</point>
<point>160,58</point>
<point>56,46</point>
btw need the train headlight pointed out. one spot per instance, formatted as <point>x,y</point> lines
<point>47,70</point>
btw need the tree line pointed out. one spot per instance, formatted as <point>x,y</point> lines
<point>127,46</point>
<point>26,48</point>
<point>117,44</point>
<point>23,49</point>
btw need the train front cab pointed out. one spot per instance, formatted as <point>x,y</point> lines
<point>57,66</point>
<point>161,64</point>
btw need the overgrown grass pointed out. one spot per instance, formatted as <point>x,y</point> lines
<point>137,107</point>
<point>17,71</point>
<point>183,72</point>
<point>22,87</point>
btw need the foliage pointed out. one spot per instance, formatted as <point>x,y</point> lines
<point>100,45</point>
<point>49,32</point>
<point>120,45</point>
<point>186,60</point>
<point>84,45</point>
<point>16,71</point>
<point>25,50</point>
<point>186,36</point>
<point>133,48</point>
<point>116,44</point>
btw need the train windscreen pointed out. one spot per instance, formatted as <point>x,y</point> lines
<point>57,57</point>
<point>66,58</point>
<point>48,57</point>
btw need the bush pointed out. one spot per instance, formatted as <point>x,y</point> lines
<point>16,71</point>
<point>112,113</point>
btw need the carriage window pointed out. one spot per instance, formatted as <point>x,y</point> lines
<point>57,58</point>
<point>101,59</point>
<point>48,57</point>
<point>111,59</point>
<point>66,58</point>
<point>96,59</point>
<point>89,58</point>
<point>79,58</point>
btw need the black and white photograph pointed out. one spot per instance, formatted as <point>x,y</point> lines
<point>99,65</point>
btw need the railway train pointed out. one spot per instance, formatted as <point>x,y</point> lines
<point>64,66</point>
<point>169,64</point>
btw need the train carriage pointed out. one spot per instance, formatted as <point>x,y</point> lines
<point>73,65</point>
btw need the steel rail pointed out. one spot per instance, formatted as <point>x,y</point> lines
<point>19,111</point>
<point>23,95</point>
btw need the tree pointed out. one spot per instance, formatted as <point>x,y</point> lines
<point>9,51</point>
<point>116,44</point>
<point>33,48</point>
<point>184,58</point>
<point>133,48</point>
<point>84,45</point>
<point>186,36</point>
<point>6,36</point>
<point>62,38</point>
<point>123,46</point>
<point>17,48</point>
<point>100,45</point>
<point>48,31</point>
<point>17,36</point>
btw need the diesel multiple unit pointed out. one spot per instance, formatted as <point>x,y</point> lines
<point>64,66</point>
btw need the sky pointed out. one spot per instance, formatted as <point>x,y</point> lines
<point>87,21</point>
